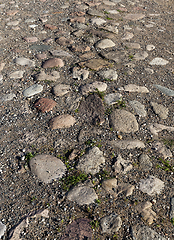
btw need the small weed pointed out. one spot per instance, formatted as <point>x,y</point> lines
<point>48,81</point>
<point>29,155</point>
<point>126,47</point>
<point>108,79</point>
<point>37,69</point>
<point>166,166</point>
<point>115,236</point>
<point>108,18</point>
<point>97,201</point>
<point>118,10</point>
<point>48,204</point>
<point>91,143</point>
<point>94,224</point>
<point>77,110</point>
<point>87,24</point>
<point>102,175</point>
<point>111,129</point>
<point>169,142</point>
<point>134,164</point>
<point>172,221</point>
<point>157,225</point>
<point>100,94</point>
<point>131,56</point>
<point>58,229</point>
<point>120,104</point>
<point>33,198</point>
<point>99,145</point>
<point>108,111</point>
<point>105,12</point>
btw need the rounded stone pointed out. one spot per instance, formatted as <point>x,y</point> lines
<point>34,89</point>
<point>45,104</point>
<point>105,43</point>
<point>53,62</point>
<point>62,121</point>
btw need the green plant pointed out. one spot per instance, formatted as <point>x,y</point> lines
<point>131,56</point>
<point>105,12</point>
<point>109,110</point>
<point>33,198</point>
<point>166,166</point>
<point>76,110</point>
<point>108,18</point>
<point>29,155</point>
<point>172,221</point>
<point>169,142</point>
<point>115,236</point>
<point>48,81</point>
<point>94,224</point>
<point>91,142</point>
<point>97,201</point>
<point>100,94</point>
<point>109,80</point>
<point>118,10</point>
<point>120,104</point>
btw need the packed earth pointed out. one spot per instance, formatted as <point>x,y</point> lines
<point>87,120</point>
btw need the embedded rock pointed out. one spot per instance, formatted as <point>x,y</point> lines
<point>111,223</point>
<point>151,185</point>
<point>62,121</point>
<point>160,110</point>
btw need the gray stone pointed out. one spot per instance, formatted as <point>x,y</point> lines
<point>13,23</point>
<point>80,73</point>
<point>61,89</point>
<point>97,21</point>
<point>41,47</point>
<point>138,108</point>
<point>24,62</point>
<point>155,128</point>
<point>134,17</point>
<point>34,89</point>
<point>117,57</point>
<point>91,161</point>
<point>110,28</point>
<point>123,121</point>
<point>111,223</point>
<point>41,76</point>
<point>112,98</point>
<point>159,61</point>
<point>141,55</point>
<point>109,74</point>
<point>94,63</point>
<point>105,43</point>
<point>151,185</point>
<point>127,144</point>
<point>127,36</point>
<point>165,90</point>
<point>132,45</point>
<point>160,110</point>
<point>94,12</point>
<point>60,53</point>
<point>145,163</point>
<point>172,208</point>
<point>134,88</point>
<point>82,195</point>
<point>16,74</point>
<point>1,78</point>
<point>113,11</point>
<point>146,212</point>
<point>150,47</point>
<point>149,70</point>
<point>2,229</point>
<point>145,233</point>
<point>47,167</point>
<point>122,165</point>
<point>161,148</point>
<point>92,87</point>
<point>7,97</point>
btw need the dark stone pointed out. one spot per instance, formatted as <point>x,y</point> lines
<point>40,47</point>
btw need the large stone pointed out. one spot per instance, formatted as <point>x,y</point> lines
<point>34,89</point>
<point>7,97</point>
<point>105,43</point>
<point>16,74</point>
<point>61,89</point>
<point>155,128</point>
<point>159,61</point>
<point>109,74</point>
<point>161,148</point>
<point>160,110</point>
<point>127,144</point>
<point>165,90</point>
<point>145,163</point>
<point>80,73</point>
<point>172,208</point>
<point>2,229</point>
<point>121,165</point>
<point>60,53</point>
<point>138,108</point>
<point>47,167</point>
<point>127,36</point>
<point>141,55</point>
<point>134,17</point>
<point>134,88</point>
<point>117,57</point>
<point>53,62</point>
<point>151,185</point>
<point>97,21</point>
<point>62,121</point>
<point>24,62</point>
<point>41,76</point>
<point>112,98</point>
<point>146,212</point>
<point>91,161</point>
<point>94,64</point>
<point>123,121</point>
<point>92,87</point>
<point>45,104</point>
<point>111,223</point>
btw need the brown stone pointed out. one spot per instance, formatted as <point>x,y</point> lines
<point>87,55</point>
<point>51,27</point>
<point>94,64</point>
<point>78,19</point>
<point>62,121</point>
<point>64,41</point>
<point>45,104</point>
<point>81,49</point>
<point>53,62</point>
<point>12,12</point>
<point>30,39</point>
<point>41,56</point>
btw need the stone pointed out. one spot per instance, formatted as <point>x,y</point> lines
<point>132,45</point>
<point>7,97</point>
<point>2,65</point>
<point>138,108</point>
<point>112,98</point>
<point>60,53</point>
<point>155,128</point>
<point>144,233</point>
<point>160,110</point>
<point>80,48</point>
<point>127,36</point>
<point>97,21</point>
<point>105,43</point>
<point>47,167</point>
<point>13,23</point>
<point>91,161</point>
<point>24,62</point>
<point>149,70</point>
<point>121,165</point>
<point>62,121</point>
<point>117,57</point>
<point>78,229</point>
<point>82,195</point>
<point>41,55</point>
<point>134,17</point>
<point>1,79</point>
<point>134,88</point>
<point>113,11</point>
<point>146,212</point>
<point>16,74</point>
<point>110,28</point>
<point>150,47</point>
<point>108,3</point>
<point>41,76</point>
<point>109,74</point>
<point>151,185</point>
<point>64,41</point>
<point>94,12</point>
<point>11,12</point>
<point>161,148</point>
<point>33,90</point>
<point>92,110</point>
<point>144,162</point>
<point>2,229</point>
<point>40,48</point>
<point>165,90</point>
<point>53,62</point>
<point>30,39</point>
<point>127,144</point>
<point>171,215</point>
<point>123,121</point>
<point>80,73</point>
<point>78,19</point>
<point>111,223</point>
<point>141,55</point>
<point>49,26</point>
<point>61,89</point>
<point>159,62</point>
<point>45,104</point>
<point>94,64</point>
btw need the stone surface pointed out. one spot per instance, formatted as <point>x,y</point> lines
<point>24,62</point>
<point>165,90</point>
<point>109,74</point>
<point>30,39</point>
<point>80,73</point>
<point>41,76</point>
<point>61,89</point>
<point>105,43</point>
<point>144,162</point>
<point>45,104</point>
<point>98,21</point>
<point>134,88</point>
<point>138,108</point>
<point>117,57</point>
<point>127,36</point>
<point>112,98</point>
<point>156,128</point>
<point>159,62</point>
<point>62,121</point>
<point>92,87</point>
<point>63,41</point>
<point>146,212</point>
<point>171,208</point>
<point>2,229</point>
<point>7,97</point>
<point>141,55</point>
<point>53,62</point>
<point>127,144</point>
<point>151,185</point>
<point>41,47</point>
<point>150,47</point>
<point>123,121</point>
<point>94,64</point>
<point>160,110</point>
<point>111,223</point>
<point>134,17</point>
<point>122,165</point>
<point>33,90</point>
<point>132,45</point>
<point>47,167</point>
<point>110,28</point>
<point>61,53</point>
<point>161,148</point>
<point>91,161</point>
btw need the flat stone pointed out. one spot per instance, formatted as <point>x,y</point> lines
<point>149,70</point>
<point>127,36</point>
<point>92,87</point>
<point>16,74</point>
<point>111,223</point>
<point>61,89</point>
<point>82,195</point>
<point>94,12</point>
<point>94,64</point>
<point>80,48</point>
<point>45,104</point>
<point>80,73</point>
<point>108,3</point>
<point>150,47</point>
<point>12,12</point>
<point>123,121</point>
<point>7,97</point>
<point>127,144</point>
<point>105,43</point>
<point>41,55</point>
<point>121,165</point>
<point>171,215</point>
<point>144,233</point>
<point>159,61</point>
<point>47,167</point>
<point>109,74</point>
<point>134,17</point>
<point>1,78</point>
<point>155,128</point>
<point>161,148</point>
<point>60,53</point>
<point>113,11</point>
<point>49,26</point>
<point>62,121</point>
<point>144,162</point>
<point>146,212</point>
<point>24,62</point>
<point>112,98</point>
<point>64,41</point>
<point>110,28</point>
<point>97,21</point>
<point>117,57</point>
<point>132,45</point>
<point>2,229</point>
<point>78,19</point>
<point>13,23</point>
<point>41,47</point>
<point>151,185</point>
<point>2,65</point>
<point>15,232</point>
<point>92,109</point>
<point>160,110</point>
<point>41,76</point>
<point>141,55</point>
<point>134,88</point>
<point>53,62</point>
<point>33,90</point>
<point>138,108</point>
<point>91,161</point>
<point>165,90</point>
<point>30,39</point>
